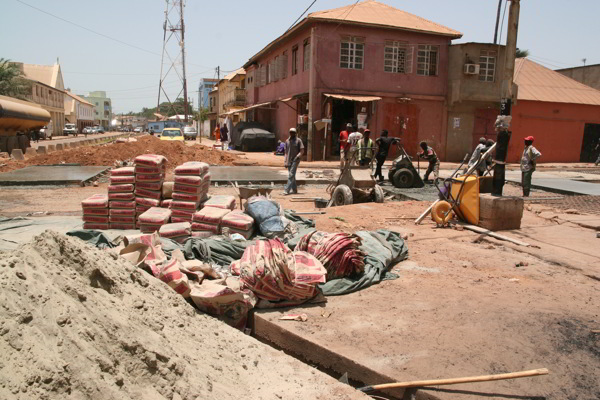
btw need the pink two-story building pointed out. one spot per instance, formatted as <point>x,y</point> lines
<point>368,64</point>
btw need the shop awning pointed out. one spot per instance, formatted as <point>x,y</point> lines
<point>353,97</point>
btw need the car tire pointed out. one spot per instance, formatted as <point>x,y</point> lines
<point>342,196</point>
<point>403,178</point>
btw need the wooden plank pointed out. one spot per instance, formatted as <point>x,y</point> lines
<point>498,236</point>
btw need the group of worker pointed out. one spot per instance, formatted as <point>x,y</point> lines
<point>359,142</point>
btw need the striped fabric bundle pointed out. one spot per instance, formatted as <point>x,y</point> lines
<point>275,273</point>
<point>339,252</point>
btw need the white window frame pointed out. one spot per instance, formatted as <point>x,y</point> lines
<point>397,57</point>
<point>424,61</point>
<point>487,65</point>
<point>352,52</point>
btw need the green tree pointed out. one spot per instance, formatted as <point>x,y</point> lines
<point>12,80</point>
<point>522,53</point>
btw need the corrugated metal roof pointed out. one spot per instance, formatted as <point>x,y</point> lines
<point>372,12</point>
<point>232,75</point>
<point>539,83</point>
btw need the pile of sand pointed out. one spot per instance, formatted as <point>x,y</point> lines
<point>81,323</point>
<point>176,152</point>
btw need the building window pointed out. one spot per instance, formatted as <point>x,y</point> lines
<point>283,65</point>
<point>397,57</point>
<point>352,52</point>
<point>306,54</point>
<point>487,65</point>
<point>427,60</point>
<point>294,60</point>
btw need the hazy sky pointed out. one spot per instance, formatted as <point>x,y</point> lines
<point>227,33</point>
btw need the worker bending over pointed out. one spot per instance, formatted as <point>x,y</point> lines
<point>434,164</point>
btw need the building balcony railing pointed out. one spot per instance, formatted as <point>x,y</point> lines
<point>235,97</point>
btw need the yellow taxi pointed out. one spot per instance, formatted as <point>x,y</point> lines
<point>172,134</point>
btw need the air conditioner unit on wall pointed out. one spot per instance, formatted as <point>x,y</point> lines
<point>471,69</point>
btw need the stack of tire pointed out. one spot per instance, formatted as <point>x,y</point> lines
<point>149,177</point>
<point>95,212</point>
<point>189,190</point>
<point>121,198</point>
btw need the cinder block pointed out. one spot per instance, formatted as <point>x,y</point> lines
<point>59,147</point>
<point>42,150</point>
<point>500,213</point>
<point>51,148</point>
<point>17,154</point>
<point>30,152</point>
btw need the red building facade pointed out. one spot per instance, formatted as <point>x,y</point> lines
<point>370,65</point>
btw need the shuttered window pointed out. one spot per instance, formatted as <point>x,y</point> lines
<point>283,66</point>
<point>294,60</point>
<point>352,52</point>
<point>397,57</point>
<point>306,54</point>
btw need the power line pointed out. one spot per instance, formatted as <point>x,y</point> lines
<point>301,15</point>
<point>87,29</point>
<point>346,16</point>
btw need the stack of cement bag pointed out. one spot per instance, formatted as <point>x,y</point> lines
<point>275,273</point>
<point>152,220</point>
<point>95,212</point>
<point>167,194</point>
<point>122,198</point>
<point>221,201</point>
<point>149,177</point>
<point>178,232</point>
<point>238,222</point>
<point>208,221</point>
<point>338,252</point>
<point>189,190</point>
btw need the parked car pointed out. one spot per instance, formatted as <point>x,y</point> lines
<point>46,133</point>
<point>139,129</point>
<point>172,134</point>
<point>70,129</point>
<point>189,132</point>
<point>253,136</point>
<point>87,130</point>
<point>99,129</point>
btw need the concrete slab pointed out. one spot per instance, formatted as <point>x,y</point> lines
<point>51,148</point>
<point>17,154</point>
<point>30,152</point>
<point>244,175</point>
<point>50,175</point>
<point>59,147</point>
<point>556,183</point>
<point>42,150</point>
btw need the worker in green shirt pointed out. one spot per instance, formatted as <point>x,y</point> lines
<point>365,149</point>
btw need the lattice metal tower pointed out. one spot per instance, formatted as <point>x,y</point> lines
<point>173,45</point>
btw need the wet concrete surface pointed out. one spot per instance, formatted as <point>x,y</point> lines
<point>557,184</point>
<point>247,174</point>
<point>50,175</point>
<point>427,193</point>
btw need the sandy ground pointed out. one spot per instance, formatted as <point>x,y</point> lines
<point>461,307</point>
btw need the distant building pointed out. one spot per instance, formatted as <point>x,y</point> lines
<point>368,64</point>
<point>78,111</point>
<point>588,75</point>
<point>232,93</point>
<point>103,108</point>
<point>213,106</point>
<point>205,87</point>
<point>131,121</point>
<point>47,90</point>
<point>158,126</point>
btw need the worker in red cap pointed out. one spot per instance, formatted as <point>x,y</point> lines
<point>528,161</point>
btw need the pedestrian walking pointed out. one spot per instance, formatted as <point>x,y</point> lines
<point>344,145</point>
<point>383,148</point>
<point>434,164</point>
<point>477,153</point>
<point>217,133</point>
<point>294,150</point>
<point>224,137</point>
<point>528,163</point>
<point>365,149</point>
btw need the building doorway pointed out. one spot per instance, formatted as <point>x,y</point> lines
<point>402,120</point>
<point>591,137</point>
<point>342,113</point>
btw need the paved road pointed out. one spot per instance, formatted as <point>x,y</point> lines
<point>71,139</point>
<point>556,183</point>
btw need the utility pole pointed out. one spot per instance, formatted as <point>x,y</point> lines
<point>174,53</point>
<point>497,21</point>
<point>219,73</point>
<point>507,94</point>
